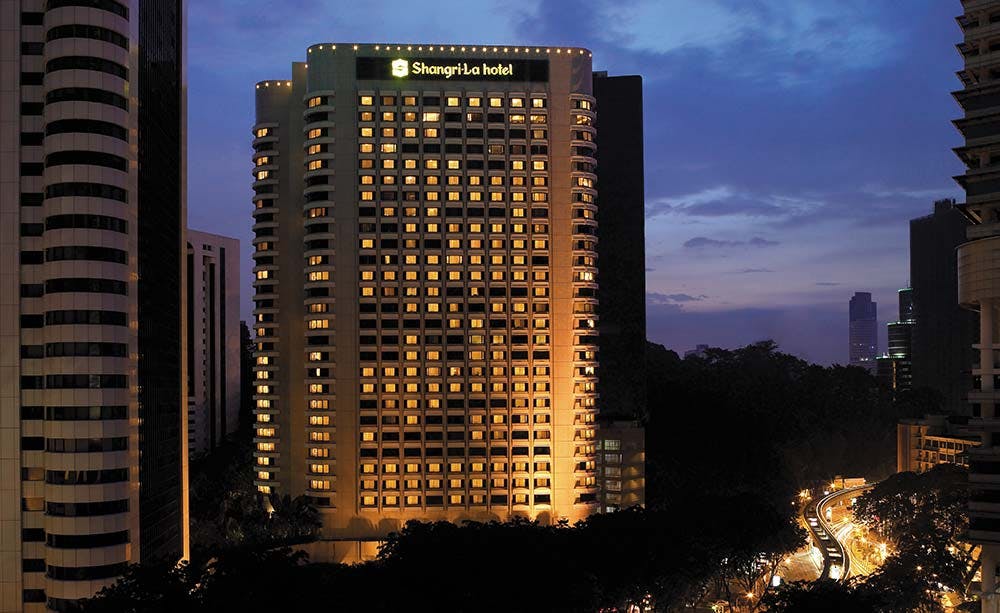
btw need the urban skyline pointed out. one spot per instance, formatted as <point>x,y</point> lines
<point>714,291</point>
<point>469,270</point>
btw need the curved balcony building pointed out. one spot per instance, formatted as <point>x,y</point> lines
<point>91,352</point>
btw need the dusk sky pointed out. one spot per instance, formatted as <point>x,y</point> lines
<point>788,142</point>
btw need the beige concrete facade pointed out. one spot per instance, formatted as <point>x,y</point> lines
<point>425,274</point>
<point>922,444</point>
<point>69,285</point>
<point>979,273</point>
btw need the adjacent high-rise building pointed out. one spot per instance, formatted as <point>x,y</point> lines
<point>979,274</point>
<point>894,368</point>
<point>863,331</point>
<point>621,249</point>
<point>213,311</point>
<point>426,285</point>
<point>943,332</point>
<point>621,465</point>
<point>92,214</point>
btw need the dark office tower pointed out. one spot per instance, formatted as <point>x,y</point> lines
<point>979,272</point>
<point>863,332</point>
<point>426,286</point>
<point>621,248</point>
<point>943,332</point>
<point>91,344</point>
<point>246,375</point>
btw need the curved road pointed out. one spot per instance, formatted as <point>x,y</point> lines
<point>830,541</point>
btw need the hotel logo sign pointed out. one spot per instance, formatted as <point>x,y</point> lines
<point>451,69</point>
<point>400,68</point>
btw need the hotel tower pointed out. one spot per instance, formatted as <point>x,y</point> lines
<point>425,286</point>
<point>979,273</point>
<point>92,216</point>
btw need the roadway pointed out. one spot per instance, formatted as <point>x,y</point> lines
<point>830,540</point>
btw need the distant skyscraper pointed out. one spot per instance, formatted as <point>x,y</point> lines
<point>213,307</point>
<point>863,331</point>
<point>93,441</point>
<point>426,286</point>
<point>944,332</point>
<point>621,250</point>
<point>979,274</point>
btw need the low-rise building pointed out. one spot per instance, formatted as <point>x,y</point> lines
<point>621,464</point>
<point>923,443</point>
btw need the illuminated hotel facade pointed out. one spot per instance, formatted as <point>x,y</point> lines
<point>425,286</point>
<point>92,214</point>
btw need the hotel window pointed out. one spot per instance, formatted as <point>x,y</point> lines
<point>409,100</point>
<point>388,116</point>
<point>366,148</point>
<point>538,103</point>
<point>409,132</point>
<point>366,116</point>
<point>432,116</point>
<point>316,101</point>
<point>262,132</point>
<point>451,101</point>
<point>315,133</point>
<point>388,133</point>
<point>517,102</point>
<point>388,100</point>
<point>537,118</point>
<point>387,147</point>
<point>366,100</point>
<point>518,119</point>
<point>475,101</point>
<point>496,102</point>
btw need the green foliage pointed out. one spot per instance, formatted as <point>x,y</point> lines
<point>227,512</point>
<point>923,516</point>
<point>758,420</point>
<point>605,562</point>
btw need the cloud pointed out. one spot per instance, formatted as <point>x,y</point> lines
<point>751,271</point>
<point>699,242</point>
<point>827,284</point>
<point>660,299</point>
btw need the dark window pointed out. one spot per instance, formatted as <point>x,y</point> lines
<point>32,78</point>
<point>87,158</point>
<point>85,509</point>
<point>74,381</point>
<point>92,222</point>
<point>31,412</point>
<point>32,108</point>
<point>86,94</point>
<point>32,169</point>
<point>87,31</point>
<point>34,595</point>
<point>84,413</point>
<point>78,317</point>
<point>32,139</point>
<point>86,445</point>
<point>29,352</point>
<point>81,62</point>
<point>32,443</point>
<point>85,573</point>
<point>29,18</point>
<point>105,5</point>
<point>32,199</point>
<point>86,541</point>
<point>33,535</point>
<point>32,257</point>
<point>86,126</point>
<point>34,565</point>
<point>32,48</point>
<point>83,285</point>
<point>86,477</point>
<point>32,290</point>
<point>78,349</point>
<point>86,252</point>
<point>32,321</point>
<point>86,190</point>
